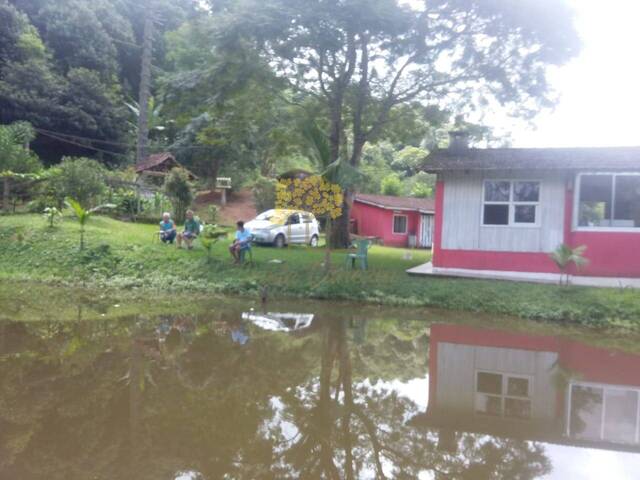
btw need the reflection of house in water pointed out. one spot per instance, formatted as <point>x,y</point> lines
<point>532,387</point>
<point>279,322</point>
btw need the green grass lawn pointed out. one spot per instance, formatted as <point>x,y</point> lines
<point>128,256</point>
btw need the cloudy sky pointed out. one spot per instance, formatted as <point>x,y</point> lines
<point>600,89</point>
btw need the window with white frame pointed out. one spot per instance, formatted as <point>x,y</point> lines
<point>610,200</point>
<point>503,395</point>
<point>400,224</point>
<point>604,412</point>
<point>511,202</point>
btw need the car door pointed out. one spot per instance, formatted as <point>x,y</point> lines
<point>307,227</point>
<point>294,228</point>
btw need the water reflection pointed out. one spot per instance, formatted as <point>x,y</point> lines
<point>227,395</point>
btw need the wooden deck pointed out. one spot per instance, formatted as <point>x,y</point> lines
<point>609,282</point>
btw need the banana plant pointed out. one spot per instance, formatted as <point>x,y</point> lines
<point>564,256</point>
<point>210,236</point>
<point>84,215</point>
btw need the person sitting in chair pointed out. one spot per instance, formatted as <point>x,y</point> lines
<point>241,242</point>
<point>191,231</point>
<point>167,228</point>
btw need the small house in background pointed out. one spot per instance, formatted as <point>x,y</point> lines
<point>396,221</point>
<point>159,165</point>
<point>505,209</point>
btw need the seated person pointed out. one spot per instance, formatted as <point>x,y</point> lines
<point>241,242</point>
<point>191,231</point>
<point>167,228</point>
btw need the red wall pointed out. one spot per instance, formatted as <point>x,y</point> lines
<point>610,254</point>
<point>378,222</point>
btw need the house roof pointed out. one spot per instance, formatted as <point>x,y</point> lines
<point>615,158</point>
<point>154,160</point>
<point>426,205</point>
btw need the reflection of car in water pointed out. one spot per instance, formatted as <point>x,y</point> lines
<point>279,322</point>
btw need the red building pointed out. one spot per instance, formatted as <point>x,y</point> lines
<point>505,209</point>
<point>397,221</point>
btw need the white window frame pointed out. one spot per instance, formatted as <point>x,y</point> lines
<point>576,203</point>
<point>512,203</point>
<point>393,224</point>
<point>604,387</point>
<point>504,396</point>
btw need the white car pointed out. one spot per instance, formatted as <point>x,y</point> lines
<point>279,322</point>
<point>282,227</point>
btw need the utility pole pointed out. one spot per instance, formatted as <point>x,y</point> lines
<point>145,85</point>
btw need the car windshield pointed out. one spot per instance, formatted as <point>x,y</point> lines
<point>273,216</point>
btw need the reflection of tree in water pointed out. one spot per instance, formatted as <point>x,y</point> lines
<point>200,402</point>
<point>347,429</point>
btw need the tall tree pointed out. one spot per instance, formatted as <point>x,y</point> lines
<point>363,57</point>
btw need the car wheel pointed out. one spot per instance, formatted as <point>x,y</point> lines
<point>279,241</point>
<point>314,241</point>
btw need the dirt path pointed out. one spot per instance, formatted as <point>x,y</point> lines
<point>240,206</point>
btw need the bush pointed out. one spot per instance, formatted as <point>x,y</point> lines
<point>264,194</point>
<point>179,191</point>
<point>127,202</point>
<point>82,179</point>
<point>213,212</point>
<point>421,190</point>
<point>392,185</point>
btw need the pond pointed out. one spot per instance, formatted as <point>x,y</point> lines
<point>240,390</point>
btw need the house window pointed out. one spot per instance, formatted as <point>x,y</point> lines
<point>608,201</point>
<point>511,202</point>
<point>602,412</point>
<point>503,395</point>
<point>400,224</point>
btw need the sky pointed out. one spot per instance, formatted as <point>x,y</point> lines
<point>599,90</point>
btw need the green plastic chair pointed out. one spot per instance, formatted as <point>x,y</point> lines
<point>361,255</point>
<point>246,255</point>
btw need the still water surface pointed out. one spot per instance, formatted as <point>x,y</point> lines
<point>314,391</point>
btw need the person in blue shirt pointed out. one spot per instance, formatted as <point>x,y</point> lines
<point>241,242</point>
<point>167,228</point>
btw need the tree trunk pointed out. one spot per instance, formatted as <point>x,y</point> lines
<point>145,86</point>
<point>6,192</point>
<point>213,173</point>
<point>340,235</point>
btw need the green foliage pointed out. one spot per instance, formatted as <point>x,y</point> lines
<point>392,185</point>
<point>210,235</point>
<point>409,160</point>
<point>82,179</point>
<point>420,190</point>
<point>83,215</point>
<point>264,193</point>
<point>564,256</point>
<point>52,215</point>
<point>179,191</point>
<point>213,214</point>
<point>14,157</point>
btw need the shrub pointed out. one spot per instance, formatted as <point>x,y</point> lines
<point>264,194</point>
<point>82,179</point>
<point>179,191</point>
<point>213,212</point>
<point>421,190</point>
<point>392,185</point>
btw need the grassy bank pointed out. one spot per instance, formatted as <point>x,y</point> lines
<point>126,257</point>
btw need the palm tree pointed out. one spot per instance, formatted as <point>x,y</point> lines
<point>564,256</point>
<point>83,215</point>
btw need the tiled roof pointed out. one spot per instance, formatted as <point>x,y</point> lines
<point>616,158</point>
<point>397,203</point>
<point>153,161</point>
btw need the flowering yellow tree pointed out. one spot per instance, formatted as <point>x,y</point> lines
<point>314,194</point>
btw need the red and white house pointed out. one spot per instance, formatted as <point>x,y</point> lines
<point>397,221</point>
<point>505,209</point>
